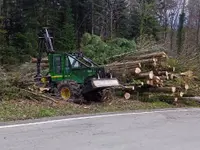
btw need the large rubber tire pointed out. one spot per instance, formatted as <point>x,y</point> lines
<point>74,89</point>
<point>95,96</point>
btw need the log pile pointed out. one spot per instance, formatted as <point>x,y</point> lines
<point>146,73</point>
<point>149,73</point>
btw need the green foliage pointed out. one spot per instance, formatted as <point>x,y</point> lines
<point>8,55</point>
<point>7,90</point>
<point>21,21</point>
<point>124,44</point>
<point>99,51</point>
<point>47,112</point>
<point>66,41</point>
<point>86,39</point>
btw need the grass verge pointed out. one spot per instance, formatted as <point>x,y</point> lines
<point>22,110</point>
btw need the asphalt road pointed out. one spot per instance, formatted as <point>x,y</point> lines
<point>159,130</point>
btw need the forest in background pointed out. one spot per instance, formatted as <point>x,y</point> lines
<point>113,25</point>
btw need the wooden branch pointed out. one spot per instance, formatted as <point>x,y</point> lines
<point>44,97</point>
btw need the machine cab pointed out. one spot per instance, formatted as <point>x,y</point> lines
<point>70,67</point>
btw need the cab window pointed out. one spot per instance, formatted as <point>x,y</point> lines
<point>66,64</point>
<point>57,64</point>
<point>74,63</point>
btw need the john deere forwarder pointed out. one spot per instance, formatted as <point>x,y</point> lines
<point>71,75</point>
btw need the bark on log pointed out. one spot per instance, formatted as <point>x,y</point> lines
<point>148,75</point>
<point>192,98</point>
<point>165,68</point>
<point>162,90</point>
<point>138,55</point>
<point>130,71</point>
<point>125,74</point>
<point>155,55</point>
<point>164,78</point>
<point>130,64</point>
<point>155,83</point>
<point>162,74</point>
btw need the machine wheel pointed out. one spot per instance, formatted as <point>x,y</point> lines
<point>95,96</point>
<point>70,91</point>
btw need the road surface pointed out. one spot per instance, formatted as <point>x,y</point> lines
<point>158,130</point>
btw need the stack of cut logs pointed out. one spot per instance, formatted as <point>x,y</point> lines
<point>147,73</point>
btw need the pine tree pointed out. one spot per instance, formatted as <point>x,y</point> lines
<point>65,32</point>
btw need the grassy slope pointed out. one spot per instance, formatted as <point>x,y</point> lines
<point>21,110</point>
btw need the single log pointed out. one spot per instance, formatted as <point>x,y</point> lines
<point>165,68</point>
<point>133,70</point>
<point>131,63</point>
<point>157,81</point>
<point>127,96</point>
<point>162,73</point>
<point>150,82</point>
<point>181,94</point>
<point>125,88</point>
<point>156,55</point>
<point>173,76</point>
<point>138,55</point>
<point>138,70</point>
<point>162,90</point>
<point>148,75</point>
<point>122,65</point>
<point>188,74</point>
<point>125,73</point>
<point>128,88</point>
<point>164,78</point>
<point>187,87</point>
<point>192,98</point>
<point>44,60</point>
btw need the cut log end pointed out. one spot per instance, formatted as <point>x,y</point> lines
<point>181,94</point>
<point>151,75</point>
<point>174,69</point>
<point>176,99</point>
<point>138,71</point>
<point>173,89</point>
<point>187,87</point>
<point>127,96</point>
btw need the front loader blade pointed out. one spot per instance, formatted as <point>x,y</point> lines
<point>100,84</point>
<point>105,83</point>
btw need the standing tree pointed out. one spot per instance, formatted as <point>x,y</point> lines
<point>180,34</point>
